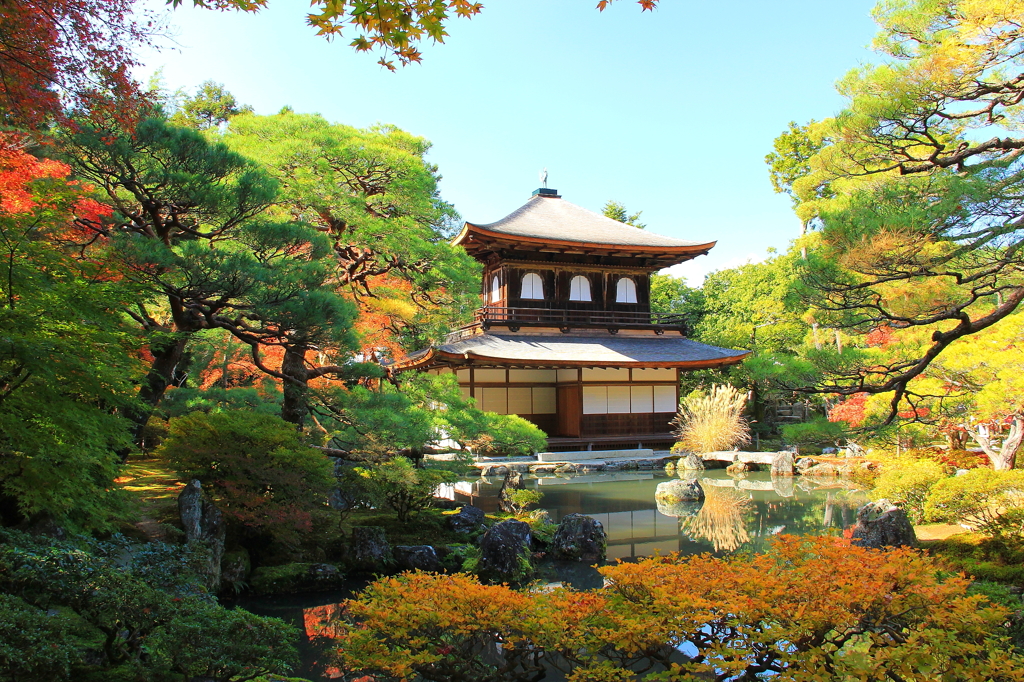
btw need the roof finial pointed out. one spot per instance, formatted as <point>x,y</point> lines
<point>544,178</point>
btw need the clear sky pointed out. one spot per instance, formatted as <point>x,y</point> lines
<point>669,112</point>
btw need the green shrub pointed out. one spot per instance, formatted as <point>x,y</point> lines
<point>401,487</point>
<point>33,644</point>
<point>256,467</point>
<point>992,502</point>
<point>818,432</point>
<point>520,499</point>
<point>508,435</point>
<point>908,484</point>
<point>227,644</point>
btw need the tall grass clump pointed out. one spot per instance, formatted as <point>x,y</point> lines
<point>711,421</point>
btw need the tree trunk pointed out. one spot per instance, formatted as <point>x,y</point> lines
<point>1005,458</point>
<point>166,358</point>
<point>296,385</point>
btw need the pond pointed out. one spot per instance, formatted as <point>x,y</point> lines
<point>739,513</point>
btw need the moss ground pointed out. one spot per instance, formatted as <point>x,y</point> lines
<point>155,489</point>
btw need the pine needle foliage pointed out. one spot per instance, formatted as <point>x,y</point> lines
<point>709,421</point>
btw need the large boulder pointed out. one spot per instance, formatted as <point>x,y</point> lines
<point>505,553</point>
<point>369,550</point>
<point>680,490</point>
<point>783,464</point>
<point>680,498</point>
<point>740,468</point>
<point>469,519</point>
<point>883,524</point>
<point>579,538</point>
<point>204,527</point>
<point>417,558</point>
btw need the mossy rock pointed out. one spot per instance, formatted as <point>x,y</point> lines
<point>296,577</point>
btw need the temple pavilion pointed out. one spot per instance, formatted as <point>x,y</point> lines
<point>566,337</point>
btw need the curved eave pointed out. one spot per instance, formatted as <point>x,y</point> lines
<point>469,229</point>
<point>436,357</point>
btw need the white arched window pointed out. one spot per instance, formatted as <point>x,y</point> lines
<point>579,289</point>
<point>495,288</point>
<point>533,286</point>
<point>625,291</point>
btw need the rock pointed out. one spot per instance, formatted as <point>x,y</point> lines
<point>782,464</point>
<point>678,509</point>
<point>234,569</point>
<point>738,468</point>
<point>690,462</point>
<point>648,464</point>
<point>204,526</point>
<point>883,524</point>
<point>494,470</point>
<point>543,468</point>
<point>869,466</point>
<point>829,451</point>
<point>567,468</point>
<point>679,490</point>
<point>369,550</point>
<point>614,466</point>
<point>589,468</point>
<point>297,577</point>
<point>804,463</point>
<point>417,558</point>
<point>505,553</point>
<point>824,469</point>
<point>513,481</point>
<point>579,538</point>
<point>469,519</point>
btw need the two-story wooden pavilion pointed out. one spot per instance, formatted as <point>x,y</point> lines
<point>566,337</point>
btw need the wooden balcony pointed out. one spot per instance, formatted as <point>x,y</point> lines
<point>568,320</point>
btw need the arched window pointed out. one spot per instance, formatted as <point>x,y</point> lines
<point>533,286</point>
<point>495,288</point>
<point>579,289</point>
<point>625,291</point>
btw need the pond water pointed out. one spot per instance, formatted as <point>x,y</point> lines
<point>739,513</point>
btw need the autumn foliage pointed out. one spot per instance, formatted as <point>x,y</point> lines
<point>807,609</point>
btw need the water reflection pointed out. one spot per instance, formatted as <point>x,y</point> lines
<point>739,513</point>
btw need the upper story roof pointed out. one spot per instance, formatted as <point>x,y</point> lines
<point>548,223</point>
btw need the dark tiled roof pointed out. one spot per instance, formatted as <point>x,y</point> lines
<point>556,219</point>
<point>597,351</point>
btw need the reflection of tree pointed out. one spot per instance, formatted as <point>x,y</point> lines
<point>720,520</point>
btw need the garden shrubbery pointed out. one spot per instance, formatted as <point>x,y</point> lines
<point>262,475</point>
<point>991,502</point>
<point>136,610</point>
<point>709,421</point>
<point>883,612</point>
<point>908,484</point>
<point>398,485</point>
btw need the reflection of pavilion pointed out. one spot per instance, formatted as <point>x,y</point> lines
<point>633,526</point>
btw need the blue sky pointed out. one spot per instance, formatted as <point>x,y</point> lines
<point>670,112</point>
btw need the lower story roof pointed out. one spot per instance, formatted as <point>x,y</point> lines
<point>580,351</point>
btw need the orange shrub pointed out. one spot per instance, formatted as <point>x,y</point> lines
<point>808,609</point>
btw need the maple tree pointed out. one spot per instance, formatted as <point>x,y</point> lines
<point>67,375</point>
<point>57,55</point>
<point>396,27</point>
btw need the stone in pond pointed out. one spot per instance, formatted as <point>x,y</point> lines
<point>417,558</point>
<point>369,549</point>
<point>468,519</point>
<point>505,553</point>
<point>680,490</point>
<point>579,538</point>
<point>738,468</point>
<point>783,464</point>
<point>883,524</point>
